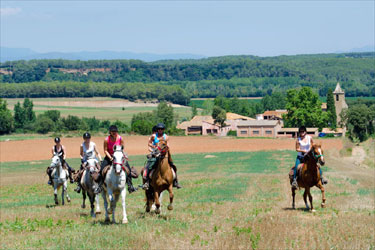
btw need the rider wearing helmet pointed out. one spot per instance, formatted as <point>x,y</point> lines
<point>58,148</point>
<point>154,139</point>
<point>88,150</point>
<point>113,139</point>
<point>303,146</point>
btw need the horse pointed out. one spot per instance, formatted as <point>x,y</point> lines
<point>161,179</point>
<point>89,184</point>
<point>59,179</point>
<point>115,181</point>
<point>309,176</point>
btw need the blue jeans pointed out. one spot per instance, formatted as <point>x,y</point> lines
<point>299,160</point>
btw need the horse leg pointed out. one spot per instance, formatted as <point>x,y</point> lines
<point>149,200</point>
<point>305,199</point>
<point>62,195</point>
<point>157,202</point>
<point>124,216</point>
<point>170,190</point>
<point>83,198</point>
<point>311,200</point>
<point>55,193</point>
<point>113,205</point>
<point>66,190</point>
<point>104,195</point>
<point>294,197</point>
<point>92,200</point>
<point>320,186</point>
<point>97,204</point>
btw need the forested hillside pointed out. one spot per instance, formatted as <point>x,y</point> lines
<point>229,76</point>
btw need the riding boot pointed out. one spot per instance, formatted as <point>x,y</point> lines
<point>295,183</point>
<point>324,181</point>
<point>50,180</point>
<point>131,188</point>
<point>78,188</point>
<point>175,181</point>
<point>49,172</point>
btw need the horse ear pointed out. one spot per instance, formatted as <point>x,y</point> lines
<point>122,147</point>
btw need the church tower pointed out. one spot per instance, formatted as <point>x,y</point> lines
<point>340,104</point>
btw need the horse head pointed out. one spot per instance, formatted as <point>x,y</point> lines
<point>56,160</point>
<point>162,148</point>
<point>317,153</point>
<point>91,165</point>
<point>118,158</point>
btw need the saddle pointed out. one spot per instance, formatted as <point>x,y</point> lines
<point>152,172</point>
<point>299,172</point>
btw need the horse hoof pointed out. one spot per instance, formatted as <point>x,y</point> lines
<point>323,205</point>
<point>106,220</point>
<point>157,211</point>
<point>313,211</point>
<point>83,206</point>
<point>147,209</point>
<point>98,212</point>
<point>170,207</point>
<point>125,221</point>
<point>68,199</point>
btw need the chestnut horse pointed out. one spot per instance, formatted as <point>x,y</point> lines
<point>309,176</point>
<point>162,178</point>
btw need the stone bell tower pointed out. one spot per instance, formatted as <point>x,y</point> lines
<point>340,104</point>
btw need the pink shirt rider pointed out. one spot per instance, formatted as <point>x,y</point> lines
<point>111,143</point>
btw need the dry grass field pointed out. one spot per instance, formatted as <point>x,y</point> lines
<point>230,200</point>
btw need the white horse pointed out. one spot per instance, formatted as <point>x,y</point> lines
<point>115,181</point>
<point>89,185</point>
<point>59,178</point>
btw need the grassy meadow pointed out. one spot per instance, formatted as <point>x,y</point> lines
<point>236,200</point>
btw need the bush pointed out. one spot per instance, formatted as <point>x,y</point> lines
<point>232,133</point>
<point>43,125</point>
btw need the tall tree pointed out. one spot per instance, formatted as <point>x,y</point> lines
<point>219,115</point>
<point>194,111</point>
<point>19,116</point>
<point>6,119</point>
<point>304,109</point>
<point>331,109</point>
<point>356,118</point>
<point>29,113</point>
<point>164,114</point>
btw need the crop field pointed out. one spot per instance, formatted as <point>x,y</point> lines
<point>229,200</point>
<point>101,107</point>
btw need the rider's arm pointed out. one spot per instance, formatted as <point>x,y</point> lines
<point>53,151</point>
<point>97,153</point>
<point>167,140</point>
<point>81,152</point>
<point>151,146</point>
<point>105,145</point>
<point>311,143</point>
<point>122,143</point>
<point>63,148</point>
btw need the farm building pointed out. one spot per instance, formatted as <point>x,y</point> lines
<point>258,128</point>
<point>293,132</point>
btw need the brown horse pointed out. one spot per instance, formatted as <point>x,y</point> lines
<point>309,176</point>
<point>162,178</point>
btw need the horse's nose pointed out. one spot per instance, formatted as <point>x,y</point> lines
<point>322,162</point>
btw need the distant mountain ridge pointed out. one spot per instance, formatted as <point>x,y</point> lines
<point>13,54</point>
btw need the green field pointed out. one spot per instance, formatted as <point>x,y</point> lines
<point>237,200</point>
<point>123,114</point>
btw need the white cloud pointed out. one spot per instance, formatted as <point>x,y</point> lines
<point>9,11</point>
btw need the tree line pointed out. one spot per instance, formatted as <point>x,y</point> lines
<point>24,120</point>
<point>228,75</point>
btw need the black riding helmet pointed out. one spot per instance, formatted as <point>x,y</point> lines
<point>86,135</point>
<point>160,126</point>
<point>113,128</point>
<point>57,139</point>
<point>302,129</point>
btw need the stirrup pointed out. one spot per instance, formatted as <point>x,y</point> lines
<point>78,189</point>
<point>176,184</point>
<point>49,182</point>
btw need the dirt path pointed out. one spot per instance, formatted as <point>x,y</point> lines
<point>32,150</point>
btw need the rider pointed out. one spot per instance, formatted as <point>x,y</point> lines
<point>114,139</point>
<point>157,135</point>
<point>60,149</point>
<point>88,150</point>
<point>303,146</point>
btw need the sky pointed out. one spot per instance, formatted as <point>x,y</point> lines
<point>208,28</point>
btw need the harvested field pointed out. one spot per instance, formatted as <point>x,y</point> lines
<point>33,150</point>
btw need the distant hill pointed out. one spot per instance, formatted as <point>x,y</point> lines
<point>13,54</point>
